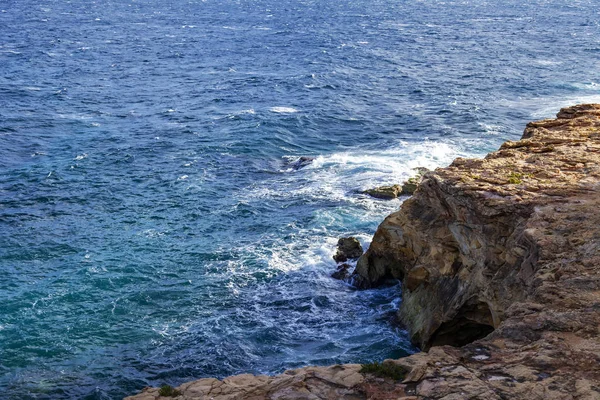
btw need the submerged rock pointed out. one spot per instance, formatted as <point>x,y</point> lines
<point>342,273</point>
<point>301,162</point>
<point>348,248</point>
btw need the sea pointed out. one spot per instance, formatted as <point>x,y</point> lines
<point>157,223</point>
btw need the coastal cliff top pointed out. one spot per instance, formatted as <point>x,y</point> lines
<point>555,158</point>
<point>505,248</point>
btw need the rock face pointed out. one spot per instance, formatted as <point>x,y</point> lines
<point>500,266</point>
<point>468,244</point>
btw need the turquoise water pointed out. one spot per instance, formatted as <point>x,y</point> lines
<point>152,226</point>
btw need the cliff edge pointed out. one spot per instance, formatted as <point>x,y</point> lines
<point>500,266</point>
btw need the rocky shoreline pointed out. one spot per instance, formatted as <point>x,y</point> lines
<point>500,266</point>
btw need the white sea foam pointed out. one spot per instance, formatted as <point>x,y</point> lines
<point>493,129</point>
<point>547,62</point>
<point>249,111</point>
<point>80,157</point>
<point>340,177</point>
<point>283,110</point>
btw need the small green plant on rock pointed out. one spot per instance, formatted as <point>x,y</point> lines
<point>516,177</point>
<point>168,391</point>
<point>384,370</point>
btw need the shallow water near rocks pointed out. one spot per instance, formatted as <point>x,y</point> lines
<point>154,226</point>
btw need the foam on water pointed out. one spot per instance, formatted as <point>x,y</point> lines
<point>340,176</point>
<point>283,110</point>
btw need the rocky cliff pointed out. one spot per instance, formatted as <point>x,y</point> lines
<point>500,266</point>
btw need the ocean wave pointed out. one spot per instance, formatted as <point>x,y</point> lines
<point>339,176</point>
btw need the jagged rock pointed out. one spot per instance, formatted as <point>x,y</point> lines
<point>503,252</point>
<point>348,248</point>
<point>334,382</point>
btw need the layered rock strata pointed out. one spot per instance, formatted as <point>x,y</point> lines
<point>500,266</point>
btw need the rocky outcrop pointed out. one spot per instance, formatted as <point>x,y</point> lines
<point>467,245</point>
<point>500,266</point>
<point>342,272</point>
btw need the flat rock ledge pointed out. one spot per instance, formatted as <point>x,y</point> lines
<point>500,266</point>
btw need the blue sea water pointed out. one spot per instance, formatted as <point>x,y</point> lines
<point>152,227</point>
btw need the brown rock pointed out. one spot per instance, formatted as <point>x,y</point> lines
<point>415,278</point>
<point>342,272</point>
<point>348,248</point>
<point>393,191</point>
<point>511,245</point>
<point>385,192</point>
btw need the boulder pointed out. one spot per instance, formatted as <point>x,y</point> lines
<point>348,248</point>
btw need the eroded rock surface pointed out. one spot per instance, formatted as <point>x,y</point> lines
<point>500,256</point>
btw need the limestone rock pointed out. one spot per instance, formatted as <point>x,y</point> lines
<point>504,250</point>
